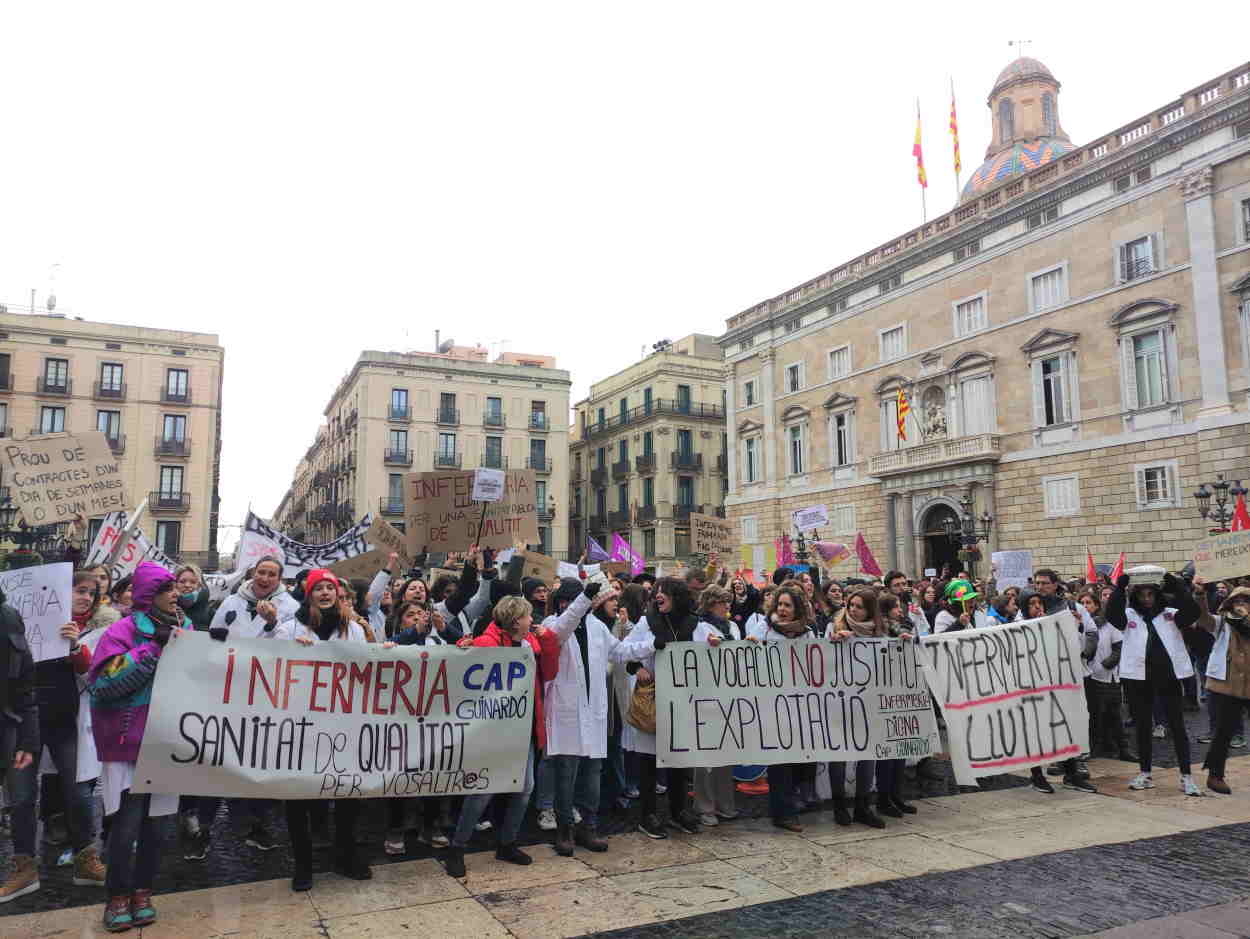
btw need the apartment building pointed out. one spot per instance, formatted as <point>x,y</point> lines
<point>397,413</point>
<point>156,395</point>
<point>649,448</point>
<point>1073,340</point>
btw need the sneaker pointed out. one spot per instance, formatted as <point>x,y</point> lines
<point>1159,732</point>
<point>1206,738</point>
<point>197,850</point>
<point>1238,742</point>
<point>728,816</point>
<point>547,819</point>
<point>260,839</point>
<point>709,819</point>
<point>394,843</point>
<point>660,789</point>
<point>650,826</point>
<point>24,879</point>
<point>1189,787</point>
<point>577,816</point>
<point>789,824</point>
<point>117,914</point>
<point>142,912</point>
<point>632,793</point>
<point>1054,769</point>
<point>88,869</point>
<point>1042,784</point>
<point>190,825</point>
<point>685,821</point>
<point>483,825</point>
<point>1079,784</point>
<point>1082,767</point>
<point>1142,781</point>
<point>439,840</point>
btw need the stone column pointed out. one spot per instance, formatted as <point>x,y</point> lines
<point>1200,223</point>
<point>731,430</point>
<point>909,536</point>
<point>891,530</point>
<point>773,472</point>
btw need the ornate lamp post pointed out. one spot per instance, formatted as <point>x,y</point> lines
<point>800,551</point>
<point>48,541</point>
<point>963,532</point>
<point>1226,496</point>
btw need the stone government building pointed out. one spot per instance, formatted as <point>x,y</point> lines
<point>1072,337</point>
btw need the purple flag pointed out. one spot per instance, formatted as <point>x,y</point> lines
<point>595,552</point>
<point>621,551</point>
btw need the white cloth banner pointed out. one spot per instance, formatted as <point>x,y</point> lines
<point>43,595</point>
<point>1013,695</point>
<point>804,701</point>
<point>272,719</point>
<point>259,540</point>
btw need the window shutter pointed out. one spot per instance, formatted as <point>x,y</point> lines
<point>1156,252</point>
<point>852,448</point>
<point>1141,487</point>
<point>1127,366</point>
<point>1125,259</point>
<point>1172,490</point>
<point>1072,386</point>
<point>1165,355</point>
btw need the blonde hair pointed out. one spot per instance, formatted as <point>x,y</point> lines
<point>510,609</point>
<point>713,594</point>
<point>193,569</point>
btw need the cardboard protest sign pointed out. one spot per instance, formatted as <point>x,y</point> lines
<point>364,566</point>
<point>386,537</point>
<point>709,533</point>
<point>57,477</point>
<point>43,596</point>
<point>791,702</point>
<point>541,566</point>
<point>1012,568</point>
<point>1013,695</point>
<point>1222,556</point>
<point>434,573</point>
<point>443,516</point>
<point>343,720</point>
<point>488,485</point>
<point>816,516</point>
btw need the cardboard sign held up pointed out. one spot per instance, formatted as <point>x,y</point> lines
<point>386,537</point>
<point>541,566</point>
<point>709,533</point>
<point>444,516</point>
<point>365,566</point>
<point>1223,556</point>
<point>488,485</point>
<point>615,568</point>
<point>57,477</point>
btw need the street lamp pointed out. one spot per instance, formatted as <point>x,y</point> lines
<point>800,553</point>
<point>1226,496</point>
<point>963,531</point>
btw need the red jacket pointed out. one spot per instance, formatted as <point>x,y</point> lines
<point>546,654</point>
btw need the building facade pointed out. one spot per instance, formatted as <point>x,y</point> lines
<point>648,448</point>
<point>1072,341</point>
<point>156,395</point>
<point>398,413</point>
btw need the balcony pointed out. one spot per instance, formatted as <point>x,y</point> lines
<point>321,479</point>
<point>352,420</point>
<point>687,462</point>
<point>681,513</point>
<point>646,515</point>
<point>539,422</point>
<point>576,477</point>
<point>599,477</point>
<point>172,448</point>
<point>493,461</point>
<point>444,460</point>
<point>688,409</point>
<point>397,457</point>
<point>620,521</point>
<point>108,392</point>
<point>448,417</point>
<point>40,431</point>
<point>389,506</point>
<point>173,502</point>
<point>349,463</point>
<point>53,386</point>
<point>492,419</point>
<point>976,448</point>
<point>620,469</point>
<point>546,513</point>
<point>399,415</point>
<point>645,464</point>
<point>175,395</point>
<point>598,523</point>
<point>117,443</point>
<point>539,465</point>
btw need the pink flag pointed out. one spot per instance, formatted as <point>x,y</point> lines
<point>785,554</point>
<point>621,551</point>
<point>868,564</point>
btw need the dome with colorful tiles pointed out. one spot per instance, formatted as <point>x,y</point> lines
<point>1021,69</point>
<point>1019,158</point>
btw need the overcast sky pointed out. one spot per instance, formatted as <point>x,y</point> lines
<point>578,179</point>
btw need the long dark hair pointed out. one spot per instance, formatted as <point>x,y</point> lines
<point>635,599</point>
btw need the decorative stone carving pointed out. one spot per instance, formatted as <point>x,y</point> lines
<point>933,418</point>
<point>1196,184</point>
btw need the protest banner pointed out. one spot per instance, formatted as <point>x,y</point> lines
<point>1223,556</point>
<point>259,538</point>
<point>135,549</point>
<point>816,516</point>
<point>443,516</point>
<point>43,596</point>
<point>541,566</point>
<point>1012,568</point>
<point>1013,695</point>
<point>791,702</point>
<point>342,720</point>
<point>58,477</point>
<point>709,533</point>
<point>364,566</point>
<point>386,537</point>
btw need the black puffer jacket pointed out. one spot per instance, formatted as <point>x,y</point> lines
<point>19,711</point>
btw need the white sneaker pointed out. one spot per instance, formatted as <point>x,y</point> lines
<point>1160,732</point>
<point>708,819</point>
<point>547,819</point>
<point>577,816</point>
<point>190,825</point>
<point>484,825</point>
<point>660,789</point>
<point>1191,788</point>
<point>1142,781</point>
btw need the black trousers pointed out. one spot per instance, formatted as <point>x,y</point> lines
<point>1106,725</point>
<point>302,817</point>
<point>1227,711</point>
<point>678,786</point>
<point>1142,695</point>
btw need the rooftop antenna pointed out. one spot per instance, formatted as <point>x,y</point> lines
<point>1020,45</point>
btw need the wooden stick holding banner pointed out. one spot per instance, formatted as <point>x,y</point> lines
<point>488,486</point>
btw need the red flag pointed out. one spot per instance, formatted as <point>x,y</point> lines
<point>1118,569</point>
<point>918,153</point>
<point>955,129</point>
<point>1091,573</point>
<point>1241,518</point>
<point>867,563</point>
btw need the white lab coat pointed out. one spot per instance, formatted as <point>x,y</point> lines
<point>246,625</point>
<point>1133,652</point>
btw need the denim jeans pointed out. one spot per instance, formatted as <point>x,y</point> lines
<point>577,782</point>
<point>514,815</point>
<point>134,848</point>
<point>23,787</point>
<point>545,784</point>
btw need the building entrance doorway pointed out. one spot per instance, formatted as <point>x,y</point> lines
<point>938,549</point>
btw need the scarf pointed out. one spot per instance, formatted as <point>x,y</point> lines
<point>845,621</point>
<point>248,595</point>
<point>791,630</point>
<point>722,625</point>
<point>331,622</point>
<point>164,623</point>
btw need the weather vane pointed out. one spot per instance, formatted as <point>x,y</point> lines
<point>1020,44</point>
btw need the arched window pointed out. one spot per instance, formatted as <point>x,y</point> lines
<point>1006,121</point>
<point>1048,114</point>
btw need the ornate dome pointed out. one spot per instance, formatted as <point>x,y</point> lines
<point>1019,70</point>
<point>1019,158</point>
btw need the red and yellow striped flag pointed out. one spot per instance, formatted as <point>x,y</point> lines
<point>918,153</point>
<point>904,408</point>
<point>955,130</point>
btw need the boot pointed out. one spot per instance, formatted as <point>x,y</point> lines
<point>564,840</point>
<point>513,855</point>
<point>590,839</point>
<point>886,807</point>
<point>840,813</point>
<point>88,870</point>
<point>454,862</point>
<point>865,815</point>
<point>1217,784</point>
<point>906,808</point>
<point>23,880</point>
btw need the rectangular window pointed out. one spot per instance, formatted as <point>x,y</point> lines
<point>174,428</point>
<point>603,417</point>
<point>889,425</point>
<point>794,377</point>
<point>601,502</point>
<point>893,343</point>
<point>839,362</point>
<point>395,487</point>
<point>109,423</point>
<point>683,399</point>
<point>794,437</point>
<point>1245,219</point>
<point>171,482</point>
<point>176,384</point>
<point>751,454</point>
<point>540,495</point>
<point>646,400</point>
<point>493,457</point>
<point>748,394</point>
<point>51,420</point>
<point>1157,485</point>
<point>624,409</point>
<point>447,446</point>
<point>794,325</point>
<point>4,419</point>
<point>970,316</point>
<point>1055,391</point>
<point>1044,217</point>
<point>111,379</point>
<point>967,250</point>
<point>685,444</point>
<point>648,492</point>
<point>577,504</point>
<point>6,375</point>
<point>1048,289</point>
<point>169,537</point>
<point>399,402</point>
<point>601,457</point>
<point>685,491</point>
<point>1124,183</point>
<point>622,497</point>
<point>447,407</point>
<point>648,542</point>
<point>494,412</point>
<point>538,415</point>
<point>397,441</point>
<point>1149,369</point>
<point>538,454</point>
<point>56,374</point>
<point>978,406</point>
<point>1137,258</point>
<point>842,443</point>
<point>750,529</point>
<point>1061,495</point>
<point>648,444</point>
<point>842,517</point>
<point>544,539</point>
<point>890,283</point>
<point>622,451</point>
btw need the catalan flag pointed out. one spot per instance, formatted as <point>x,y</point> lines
<point>955,130</point>
<point>918,153</point>
<point>903,408</point>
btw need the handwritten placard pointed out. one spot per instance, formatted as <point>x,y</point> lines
<point>58,477</point>
<point>386,537</point>
<point>814,516</point>
<point>444,516</point>
<point>488,485</point>
<point>43,597</point>
<point>709,533</point>
<point>1222,556</point>
<point>1012,568</point>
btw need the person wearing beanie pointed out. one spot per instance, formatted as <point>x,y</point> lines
<point>535,591</point>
